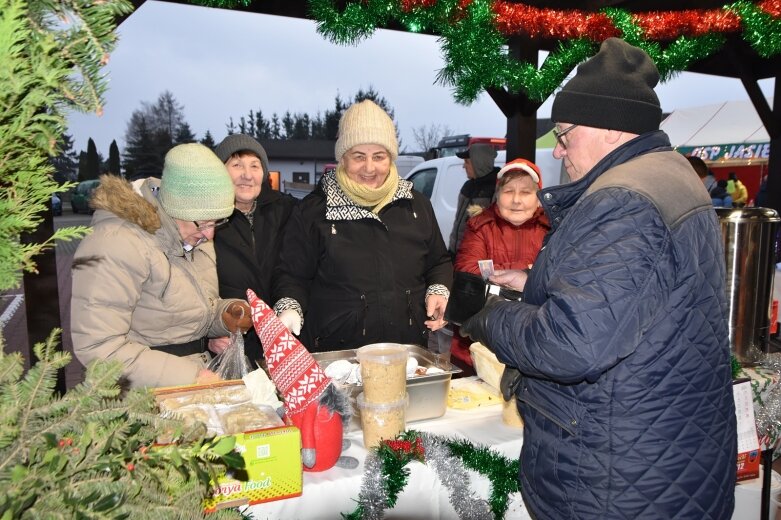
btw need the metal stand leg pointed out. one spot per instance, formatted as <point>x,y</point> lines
<point>767,472</point>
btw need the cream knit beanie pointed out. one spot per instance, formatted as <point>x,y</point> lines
<point>195,184</point>
<point>366,123</point>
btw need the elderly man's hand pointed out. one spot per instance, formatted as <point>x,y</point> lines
<point>435,310</point>
<point>512,278</point>
<point>476,327</point>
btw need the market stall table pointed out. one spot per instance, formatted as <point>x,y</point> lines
<point>330,493</point>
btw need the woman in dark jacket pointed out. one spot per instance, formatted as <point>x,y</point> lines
<point>248,247</point>
<point>363,259</point>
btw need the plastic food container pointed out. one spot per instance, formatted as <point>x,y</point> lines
<point>383,371</point>
<point>427,393</point>
<point>381,421</point>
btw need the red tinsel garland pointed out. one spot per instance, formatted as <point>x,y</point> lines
<point>567,24</point>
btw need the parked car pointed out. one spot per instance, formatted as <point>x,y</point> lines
<point>56,205</point>
<point>82,195</point>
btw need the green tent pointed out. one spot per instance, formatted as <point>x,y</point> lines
<point>546,141</point>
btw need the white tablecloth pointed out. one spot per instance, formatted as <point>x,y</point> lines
<point>329,493</point>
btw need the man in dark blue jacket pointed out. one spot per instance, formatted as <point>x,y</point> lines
<point>621,340</point>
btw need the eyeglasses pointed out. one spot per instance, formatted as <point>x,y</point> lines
<point>559,134</point>
<point>210,225</point>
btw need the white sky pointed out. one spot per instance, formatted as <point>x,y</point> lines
<point>221,63</point>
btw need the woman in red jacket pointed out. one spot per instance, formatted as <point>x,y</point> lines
<point>509,232</point>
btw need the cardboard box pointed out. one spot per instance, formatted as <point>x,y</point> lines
<point>272,459</point>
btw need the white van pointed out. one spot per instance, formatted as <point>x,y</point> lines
<point>441,181</point>
<point>405,163</point>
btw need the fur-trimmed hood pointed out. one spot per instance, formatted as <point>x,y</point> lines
<point>120,198</point>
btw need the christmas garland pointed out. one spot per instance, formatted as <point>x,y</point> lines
<point>386,474</point>
<point>474,35</point>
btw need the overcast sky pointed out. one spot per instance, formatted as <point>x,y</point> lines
<point>221,63</point>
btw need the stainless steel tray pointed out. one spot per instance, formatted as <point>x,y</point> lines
<point>427,394</point>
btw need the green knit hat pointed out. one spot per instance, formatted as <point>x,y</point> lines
<point>195,184</point>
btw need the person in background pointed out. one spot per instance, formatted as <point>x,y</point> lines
<point>478,190</point>
<point>738,190</point>
<point>248,245</point>
<point>760,200</point>
<point>621,341</point>
<point>704,173</point>
<point>719,195</point>
<point>363,260</point>
<point>145,282</point>
<point>510,232</point>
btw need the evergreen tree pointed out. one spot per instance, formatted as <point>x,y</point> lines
<point>317,127</point>
<point>332,117</point>
<point>81,172</point>
<point>184,134</point>
<point>288,124</point>
<point>208,140</point>
<point>242,125</point>
<point>92,162</point>
<point>150,134</point>
<point>262,127</point>
<point>231,127</point>
<point>113,166</point>
<point>300,126</point>
<point>66,161</point>
<point>275,128</point>
<point>167,113</point>
<point>141,156</point>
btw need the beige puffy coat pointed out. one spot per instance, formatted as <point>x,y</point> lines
<point>134,287</point>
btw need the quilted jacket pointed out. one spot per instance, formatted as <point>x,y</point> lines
<point>488,235</point>
<point>362,278</point>
<point>134,288</point>
<point>622,341</point>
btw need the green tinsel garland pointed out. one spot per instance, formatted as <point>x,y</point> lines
<point>476,57</point>
<point>396,455</point>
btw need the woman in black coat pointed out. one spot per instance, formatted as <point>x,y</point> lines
<point>248,246</point>
<point>363,259</point>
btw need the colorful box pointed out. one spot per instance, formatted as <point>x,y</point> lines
<point>272,458</point>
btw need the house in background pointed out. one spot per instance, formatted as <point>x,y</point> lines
<point>300,163</point>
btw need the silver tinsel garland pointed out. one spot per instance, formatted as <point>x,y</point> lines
<point>450,470</point>
<point>454,476</point>
<point>768,416</point>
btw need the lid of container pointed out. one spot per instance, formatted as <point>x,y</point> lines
<point>401,403</point>
<point>747,215</point>
<point>385,353</point>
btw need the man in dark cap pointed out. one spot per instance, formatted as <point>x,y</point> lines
<point>477,191</point>
<point>621,342</point>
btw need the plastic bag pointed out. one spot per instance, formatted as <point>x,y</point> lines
<point>231,363</point>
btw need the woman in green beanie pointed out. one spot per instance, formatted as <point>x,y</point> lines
<point>145,282</point>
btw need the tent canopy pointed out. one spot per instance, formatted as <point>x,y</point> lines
<point>728,122</point>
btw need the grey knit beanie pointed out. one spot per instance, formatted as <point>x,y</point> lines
<point>241,143</point>
<point>614,89</point>
<point>482,156</point>
<point>195,184</point>
<point>366,123</point>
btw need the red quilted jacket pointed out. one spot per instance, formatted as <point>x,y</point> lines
<point>489,236</point>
